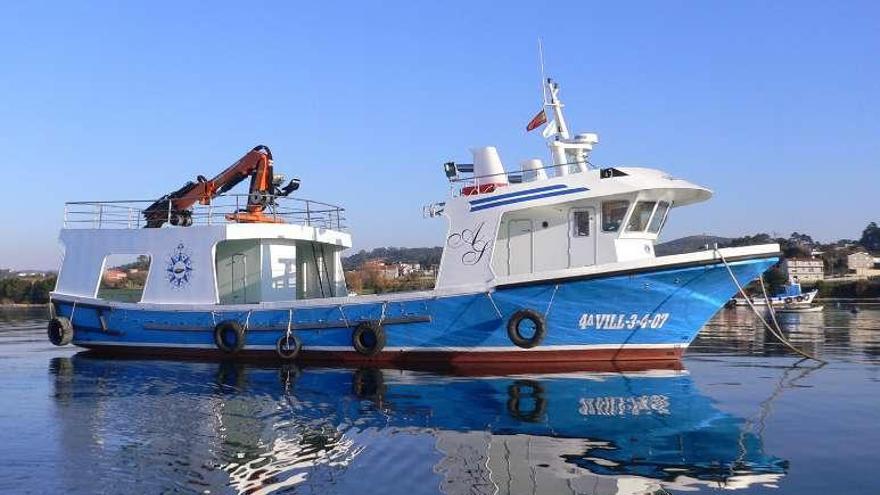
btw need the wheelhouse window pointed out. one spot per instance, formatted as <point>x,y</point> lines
<point>640,217</point>
<point>124,277</point>
<point>613,213</point>
<point>659,217</point>
<point>581,223</point>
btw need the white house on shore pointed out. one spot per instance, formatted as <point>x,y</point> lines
<point>804,270</point>
<point>863,265</point>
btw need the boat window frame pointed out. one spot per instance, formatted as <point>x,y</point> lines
<point>629,219</point>
<point>104,267</point>
<point>575,224</point>
<point>662,221</point>
<point>623,219</point>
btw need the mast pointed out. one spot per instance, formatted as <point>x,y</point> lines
<point>556,106</point>
<point>568,154</point>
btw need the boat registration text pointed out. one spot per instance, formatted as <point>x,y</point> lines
<point>622,321</point>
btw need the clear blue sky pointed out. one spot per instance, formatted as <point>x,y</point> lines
<point>775,107</point>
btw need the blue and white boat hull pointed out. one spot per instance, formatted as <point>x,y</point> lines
<point>641,314</point>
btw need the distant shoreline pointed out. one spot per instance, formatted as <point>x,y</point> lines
<point>22,305</point>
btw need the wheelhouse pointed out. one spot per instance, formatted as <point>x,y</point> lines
<point>109,256</point>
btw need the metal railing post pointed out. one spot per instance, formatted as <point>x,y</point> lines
<point>169,212</point>
<point>65,216</point>
<point>100,214</point>
<point>308,215</point>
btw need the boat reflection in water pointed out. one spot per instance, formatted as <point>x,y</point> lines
<point>232,427</point>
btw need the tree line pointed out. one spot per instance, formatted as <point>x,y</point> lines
<point>18,290</point>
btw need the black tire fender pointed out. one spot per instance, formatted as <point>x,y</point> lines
<point>516,336</point>
<point>800,298</point>
<point>368,338</point>
<point>229,336</point>
<point>288,346</point>
<point>787,300</point>
<point>60,331</point>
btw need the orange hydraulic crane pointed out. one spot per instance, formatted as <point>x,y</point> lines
<point>265,187</point>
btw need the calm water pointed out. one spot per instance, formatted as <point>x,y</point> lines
<point>740,413</point>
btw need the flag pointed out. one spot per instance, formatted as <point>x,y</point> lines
<point>550,130</point>
<point>536,122</point>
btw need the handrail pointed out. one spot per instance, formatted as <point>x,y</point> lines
<point>460,185</point>
<point>589,165</point>
<point>222,209</point>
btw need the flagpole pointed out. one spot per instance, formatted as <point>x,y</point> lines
<point>541,64</point>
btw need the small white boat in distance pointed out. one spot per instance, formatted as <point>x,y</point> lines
<point>791,294</point>
<point>799,309</point>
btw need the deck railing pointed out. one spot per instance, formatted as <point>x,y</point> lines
<point>129,214</point>
<point>467,185</point>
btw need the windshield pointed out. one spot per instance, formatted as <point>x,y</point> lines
<point>612,214</point>
<point>638,221</point>
<point>659,218</point>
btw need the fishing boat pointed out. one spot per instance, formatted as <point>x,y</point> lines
<point>541,263</point>
<point>791,295</point>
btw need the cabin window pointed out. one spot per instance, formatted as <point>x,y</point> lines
<point>581,223</point>
<point>124,277</point>
<point>641,214</point>
<point>612,214</point>
<point>659,217</point>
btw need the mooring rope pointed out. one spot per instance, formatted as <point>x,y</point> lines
<point>550,304</point>
<point>289,327</point>
<point>344,319</point>
<point>776,332</point>
<point>497,311</point>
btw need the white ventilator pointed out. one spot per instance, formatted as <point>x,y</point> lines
<point>487,166</point>
<point>532,170</point>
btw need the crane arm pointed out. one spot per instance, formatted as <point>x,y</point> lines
<point>256,164</point>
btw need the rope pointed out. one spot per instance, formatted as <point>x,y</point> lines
<point>550,304</point>
<point>289,322</point>
<point>776,332</point>
<point>768,303</point>
<point>497,311</point>
<point>344,319</point>
<point>247,320</point>
<point>765,409</point>
<point>72,312</point>
<point>289,327</point>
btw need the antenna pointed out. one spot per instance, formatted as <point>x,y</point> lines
<point>541,64</point>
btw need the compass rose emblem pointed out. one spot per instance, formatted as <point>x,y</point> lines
<point>179,268</point>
